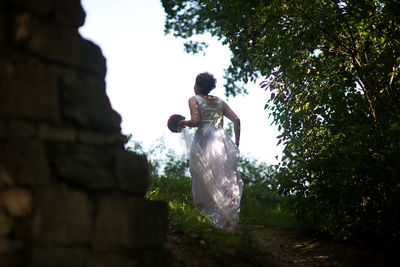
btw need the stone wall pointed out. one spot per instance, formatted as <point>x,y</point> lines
<point>70,194</point>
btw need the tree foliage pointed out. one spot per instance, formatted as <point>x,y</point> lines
<point>333,71</point>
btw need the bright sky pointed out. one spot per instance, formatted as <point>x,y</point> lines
<point>150,77</point>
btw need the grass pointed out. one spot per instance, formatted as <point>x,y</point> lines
<point>263,207</point>
<point>257,213</point>
<point>193,232</point>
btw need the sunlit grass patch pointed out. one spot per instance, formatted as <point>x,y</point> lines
<point>196,234</point>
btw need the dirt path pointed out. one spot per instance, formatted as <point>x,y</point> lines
<point>288,247</point>
<point>292,248</point>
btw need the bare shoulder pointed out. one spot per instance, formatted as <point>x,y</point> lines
<point>225,104</point>
<point>193,101</point>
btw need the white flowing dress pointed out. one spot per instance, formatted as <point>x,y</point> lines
<point>216,185</point>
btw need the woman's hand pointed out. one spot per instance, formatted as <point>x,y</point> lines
<point>181,124</point>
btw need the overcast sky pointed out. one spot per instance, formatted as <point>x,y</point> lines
<point>150,77</point>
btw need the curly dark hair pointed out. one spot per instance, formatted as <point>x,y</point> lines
<point>206,82</point>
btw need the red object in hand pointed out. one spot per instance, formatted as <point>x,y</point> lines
<point>173,123</point>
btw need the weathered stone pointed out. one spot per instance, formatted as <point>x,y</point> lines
<point>17,202</point>
<point>22,27</point>
<point>91,57</point>
<point>9,245</point>
<point>117,138</point>
<point>23,228</point>
<point>70,13</point>
<point>3,129</point>
<point>23,162</point>
<point>88,166</point>
<point>54,41</point>
<point>42,7</point>
<point>70,195</point>
<point>85,103</point>
<point>87,137</point>
<point>5,176</point>
<point>62,43</point>
<point>112,260</point>
<point>2,29</point>
<point>11,260</point>
<point>60,257</point>
<point>28,90</point>
<point>2,205</point>
<point>149,223</point>
<point>60,134</point>
<point>61,217</point>
<point>112,225</point>
<point>132,171</point>
<point>21,129</point>
<point>126,222</point>
<point>6,224</point>
<point>156,258</point>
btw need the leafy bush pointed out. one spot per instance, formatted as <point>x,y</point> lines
<point>169,182</point>
<point>261,201</point>
<point>332,69</point>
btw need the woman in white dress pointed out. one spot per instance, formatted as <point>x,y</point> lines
<point>216,185</point>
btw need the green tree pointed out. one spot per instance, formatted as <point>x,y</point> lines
<point>332,68</point>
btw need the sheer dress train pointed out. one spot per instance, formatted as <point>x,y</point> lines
<point>213,158</point>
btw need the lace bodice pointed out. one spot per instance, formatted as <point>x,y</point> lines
<point>208,115</point>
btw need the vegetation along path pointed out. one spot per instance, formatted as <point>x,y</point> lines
<point>267,234</point>
<point>282,247</point>
<point>332,69</point>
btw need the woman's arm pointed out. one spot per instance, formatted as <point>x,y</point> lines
<point>236,122</point>
<point>194,114</point>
